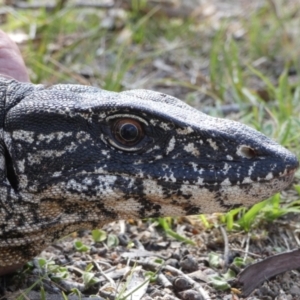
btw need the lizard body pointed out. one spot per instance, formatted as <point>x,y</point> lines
<point>75,157</point>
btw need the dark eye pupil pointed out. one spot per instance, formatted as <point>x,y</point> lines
<point>129,132</point>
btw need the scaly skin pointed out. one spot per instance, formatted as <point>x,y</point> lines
<point>65,164</point>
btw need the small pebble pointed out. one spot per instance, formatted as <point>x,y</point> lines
<point>181,284</point>
<point>172,262</point>
<point>176,256</point>
<point>80,264</point>
<point>295,290</point>
<point>123,239</point>
<point>189,264</point>
<point>93,250</point>
<point>190,295</point>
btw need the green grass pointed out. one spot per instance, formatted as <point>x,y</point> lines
<point>264,211</point>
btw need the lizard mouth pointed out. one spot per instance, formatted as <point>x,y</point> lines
<point>272,185</point>
<point>287,176</point>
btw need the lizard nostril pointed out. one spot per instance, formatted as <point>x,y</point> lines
<point>246,151</point>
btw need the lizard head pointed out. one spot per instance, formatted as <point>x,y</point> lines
<point>139,153</point>
<point>75,157</point>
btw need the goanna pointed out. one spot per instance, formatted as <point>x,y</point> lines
<point>76,157</point>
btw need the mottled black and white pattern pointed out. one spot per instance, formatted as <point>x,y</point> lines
<point>64,166</point>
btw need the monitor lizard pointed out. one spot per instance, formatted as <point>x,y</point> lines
<point>75,157</point>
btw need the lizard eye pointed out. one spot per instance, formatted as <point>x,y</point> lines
<point>128,132</point>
